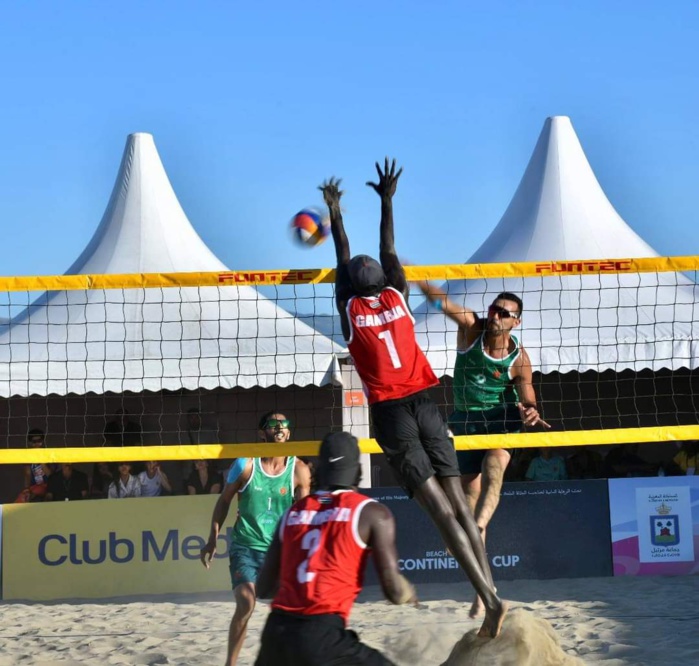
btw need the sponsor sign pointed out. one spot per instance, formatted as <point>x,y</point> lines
<point>655,525</point>
<point>540,530</point>
<point>106,548</point>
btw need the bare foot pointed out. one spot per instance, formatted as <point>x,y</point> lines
<point>493,621</point>
<point>477,608</point>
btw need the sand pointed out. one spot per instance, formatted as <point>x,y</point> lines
<point>615,621</point>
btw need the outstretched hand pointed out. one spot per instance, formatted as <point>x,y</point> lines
<point>331,192</point>
<point>388,179</point>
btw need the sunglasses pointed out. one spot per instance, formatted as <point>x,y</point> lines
<point>277,423</point>
<point>503,313</point>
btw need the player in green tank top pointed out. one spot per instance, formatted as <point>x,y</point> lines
<point>266,488</point>
<point>493,393</point>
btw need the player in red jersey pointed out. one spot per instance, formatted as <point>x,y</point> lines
<point>315,567</point>
<point>377,323</point>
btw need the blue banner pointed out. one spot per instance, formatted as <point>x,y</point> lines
<point>557,529</point>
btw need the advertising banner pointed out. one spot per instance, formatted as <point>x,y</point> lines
<point>107,548</point>
<point>540,530</point>
<point>655,525</point>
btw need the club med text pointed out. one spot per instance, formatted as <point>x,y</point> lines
<point>56,549</point>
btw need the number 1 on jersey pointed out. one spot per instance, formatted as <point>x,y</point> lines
<point>310,542</point>
<point>392,351</point>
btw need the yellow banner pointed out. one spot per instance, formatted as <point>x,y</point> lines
<point>310,448</point>
<point>109,548</point>
<point>327,275</point>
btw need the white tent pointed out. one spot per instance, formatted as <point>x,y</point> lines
<point>573,323</point>
<point>171,338</point>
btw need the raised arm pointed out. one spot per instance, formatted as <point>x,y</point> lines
<point>377,528</point>
<point>343,286</point>
<point>463,316</point>
<point>386,188</point>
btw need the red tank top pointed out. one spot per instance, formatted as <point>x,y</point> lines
<point>384,349</point>
<point>323,557</point>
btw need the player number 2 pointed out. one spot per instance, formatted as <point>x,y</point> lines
<point>392,351</point>
<point>310,542</point>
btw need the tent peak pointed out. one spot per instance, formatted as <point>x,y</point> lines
<point>559,211</point>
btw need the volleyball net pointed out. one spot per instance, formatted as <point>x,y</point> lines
<point>182,366</point>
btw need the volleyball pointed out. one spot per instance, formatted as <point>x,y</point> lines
<point>310,226</point>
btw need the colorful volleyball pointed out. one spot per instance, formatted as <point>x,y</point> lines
<point>310,226</point>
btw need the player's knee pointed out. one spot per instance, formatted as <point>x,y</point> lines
<point>244,602</point>
<point>497,461</point>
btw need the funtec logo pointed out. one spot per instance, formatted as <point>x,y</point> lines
<point>266,277</point>
<point>590,266</point>
<point>56,549</point>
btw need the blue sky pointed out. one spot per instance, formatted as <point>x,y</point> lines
<point>252,105</point>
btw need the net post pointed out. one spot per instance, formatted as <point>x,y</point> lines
<point>355,413</point>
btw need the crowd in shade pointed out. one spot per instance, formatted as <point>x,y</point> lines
<point>66,482</point>
<point>595,462</point>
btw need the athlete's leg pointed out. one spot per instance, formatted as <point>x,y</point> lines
<point>244,606</point>
<point>471,483</point>
<point>245,564</point>
<point>494,466</point>
<point>414,438</point>
<point>493,472</point>
<point>435,501</point>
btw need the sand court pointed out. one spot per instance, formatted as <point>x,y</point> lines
<point>639,621</point>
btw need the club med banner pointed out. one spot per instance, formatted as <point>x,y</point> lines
<point>655,525</point>
<point>109,548</point>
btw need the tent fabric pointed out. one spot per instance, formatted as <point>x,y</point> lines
<point>596,322</point>
<point>171,338</point>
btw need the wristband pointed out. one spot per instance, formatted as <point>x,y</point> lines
<point>437,304</point>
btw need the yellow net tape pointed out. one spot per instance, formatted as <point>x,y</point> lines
<point>308,448</point>
<point>327,275</point>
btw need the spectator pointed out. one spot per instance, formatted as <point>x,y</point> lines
<point>67,484</point>
<point>36,475</point>
<point>125,485</point>
<point>196,434</point>
<point>121,431</point>
<point>686,460</point>
<point>584,463</point>
<point>546,467</point>
<point>623,461</point>
<point>204,480</point>
<point>102,477</point>
<point>153,480</point>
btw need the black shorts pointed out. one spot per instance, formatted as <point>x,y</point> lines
<point>414,437</point>
<point>313,640</point>
<point>495,421</point>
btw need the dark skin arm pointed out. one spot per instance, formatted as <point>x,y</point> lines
<point>386,188</point>
<point>395,275</point>
<point>343,287</point>
<point>377,529</point>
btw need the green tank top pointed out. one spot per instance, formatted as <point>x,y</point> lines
<point>261,503</point>
<point>481,381</point>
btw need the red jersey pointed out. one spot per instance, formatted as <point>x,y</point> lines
<point>384,349</point>
<point>323,557</point>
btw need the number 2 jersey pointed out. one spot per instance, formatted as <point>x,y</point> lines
<point>382,342</point>
<point>323,557</point>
